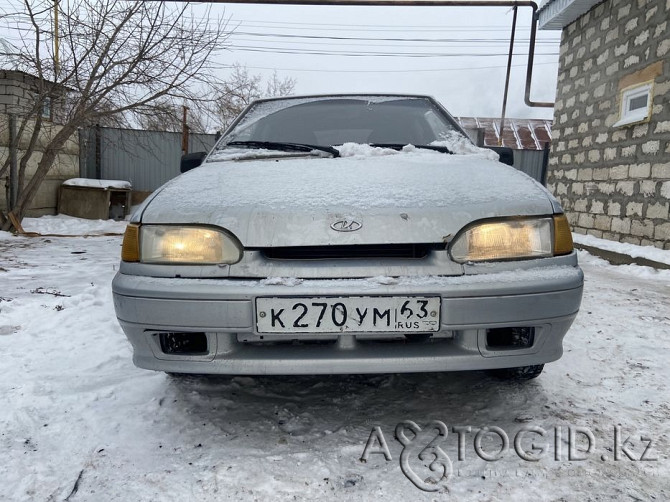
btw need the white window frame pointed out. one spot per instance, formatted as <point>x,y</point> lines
<point>628,116</point>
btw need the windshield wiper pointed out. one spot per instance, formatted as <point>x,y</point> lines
<point>400,146</point>
<point>285,147</point>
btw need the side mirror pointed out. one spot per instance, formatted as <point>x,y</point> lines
<point>506,154</point>
<point>191,161</point>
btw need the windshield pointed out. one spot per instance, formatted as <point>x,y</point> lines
<point>328,121</point>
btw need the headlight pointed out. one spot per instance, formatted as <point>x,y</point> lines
<point>513,239</point>
<point>179,245</point>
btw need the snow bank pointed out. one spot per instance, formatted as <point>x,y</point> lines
<point>69,225</point>
<point>647,252</point>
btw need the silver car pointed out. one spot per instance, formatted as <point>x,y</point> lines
<point>347,234</point>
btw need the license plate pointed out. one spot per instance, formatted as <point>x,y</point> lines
<point>360,314</point>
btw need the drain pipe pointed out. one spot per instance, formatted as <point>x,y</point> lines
<point>509,70</point>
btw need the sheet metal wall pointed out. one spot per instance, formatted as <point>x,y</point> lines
<point>147,159</point>
<point>531,162</point>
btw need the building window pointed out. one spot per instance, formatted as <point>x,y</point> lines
<point>46,108</point>
<point>635,104</point>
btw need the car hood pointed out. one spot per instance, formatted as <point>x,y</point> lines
<point>396,197</point>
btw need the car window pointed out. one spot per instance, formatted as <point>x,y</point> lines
<point>339,120</point>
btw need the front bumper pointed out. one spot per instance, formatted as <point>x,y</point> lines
<point>545,299</point>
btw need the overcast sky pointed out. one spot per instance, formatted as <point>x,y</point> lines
<point>457,54</point>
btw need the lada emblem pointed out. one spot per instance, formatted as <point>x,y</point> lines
<point>346,225</point>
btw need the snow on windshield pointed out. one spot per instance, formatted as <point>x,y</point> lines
<point>460,145</point>
<point>244,130</point>
<point>231,153</point>
<point>358,150</point>
<point>267,108</point>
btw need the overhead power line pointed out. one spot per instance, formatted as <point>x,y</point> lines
<point>428,70</point>
<point>294,50</point>
<point>386,39</point>
<point>295,25</point>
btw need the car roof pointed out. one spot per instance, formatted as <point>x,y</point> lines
<point>345,95</point>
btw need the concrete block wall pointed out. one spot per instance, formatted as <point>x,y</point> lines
<point>614,182</point>
<point>65,166</point>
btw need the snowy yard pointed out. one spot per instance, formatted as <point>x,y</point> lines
<point>80,422</point>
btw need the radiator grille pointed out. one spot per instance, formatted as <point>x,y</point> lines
<point>407,251</point>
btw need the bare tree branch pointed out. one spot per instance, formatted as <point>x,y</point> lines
<point>119,62</point>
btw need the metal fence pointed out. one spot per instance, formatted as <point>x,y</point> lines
<point>147,159</point>
<point>533,163</point>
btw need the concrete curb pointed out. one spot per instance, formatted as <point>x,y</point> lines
<point>622,259</point>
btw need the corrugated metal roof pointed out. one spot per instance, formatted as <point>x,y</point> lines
<point>557,14</point>
<point>519,134</point>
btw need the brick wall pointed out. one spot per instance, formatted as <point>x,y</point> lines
<point>614,182</point>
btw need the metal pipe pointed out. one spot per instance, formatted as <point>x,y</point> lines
<point>427,3</point>
<point>529,70</point>
<point>509,70</point>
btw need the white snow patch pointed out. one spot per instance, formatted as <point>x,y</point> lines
<point>362,150</point>
<point>230,153</point>
<point>281,281</point>
<point>69,225</point>
<point>461,145</point>
<point>647,252</point>
<point>92,183</point>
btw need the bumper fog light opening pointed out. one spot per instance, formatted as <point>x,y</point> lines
<point>510,338</point>
<point>186,344</point>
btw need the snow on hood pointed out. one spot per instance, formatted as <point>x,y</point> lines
<point>438,193</point>
<point>365,177</point>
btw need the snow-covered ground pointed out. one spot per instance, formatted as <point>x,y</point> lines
<point>79,422</point>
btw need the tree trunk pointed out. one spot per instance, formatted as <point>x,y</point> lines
<point>28,192</point>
